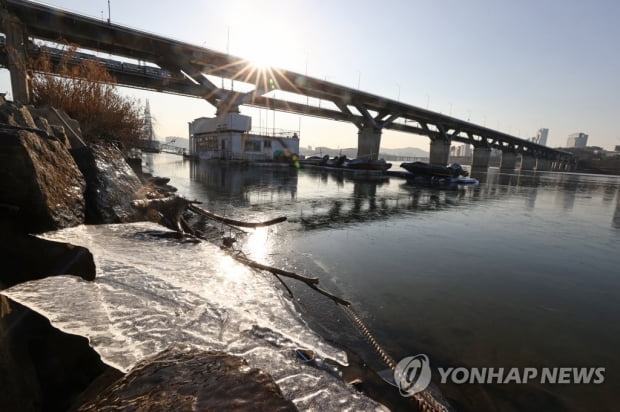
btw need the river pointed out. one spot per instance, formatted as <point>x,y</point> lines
<point>519,271</point>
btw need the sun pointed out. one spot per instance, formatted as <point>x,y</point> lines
<point>265,46</point>
<point>263,55</point>
<point>260,59</point>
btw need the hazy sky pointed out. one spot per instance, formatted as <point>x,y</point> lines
<point>515,66</point>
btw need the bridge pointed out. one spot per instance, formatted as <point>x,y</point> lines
<point>177,67</point>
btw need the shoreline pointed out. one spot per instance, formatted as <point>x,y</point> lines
<point>100,207</point>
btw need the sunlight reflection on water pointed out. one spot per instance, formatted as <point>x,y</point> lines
<point>520,270</point>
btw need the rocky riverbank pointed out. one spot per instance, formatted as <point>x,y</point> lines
<point>51,179</point>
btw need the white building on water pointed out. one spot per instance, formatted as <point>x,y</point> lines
<point>229,137</point>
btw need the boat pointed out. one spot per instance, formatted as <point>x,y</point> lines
<point>338,161</point>
<point>311,160</point>
<point>324,161</point>
<point>426,169</point>
<point>364,163</point>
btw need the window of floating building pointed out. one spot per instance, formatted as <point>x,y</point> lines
<point>252,146</point>
<point>207,142</point>
<point>267,145</point>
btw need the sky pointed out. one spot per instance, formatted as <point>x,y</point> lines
<point>514,66</point>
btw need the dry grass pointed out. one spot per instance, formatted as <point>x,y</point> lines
<point>88,93</point>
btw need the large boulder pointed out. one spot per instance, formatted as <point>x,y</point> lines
<point>185,380</point>
<point>25,257</point>
<point>39,178</point>
<point>56,121</point>
<point>111,184</point>
<point>41,189</point>
<point>42,368</point>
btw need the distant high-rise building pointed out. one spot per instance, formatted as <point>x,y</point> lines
<point>577,140</point>
<point>541,136</point>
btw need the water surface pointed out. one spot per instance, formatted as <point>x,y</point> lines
<point>519,271</point>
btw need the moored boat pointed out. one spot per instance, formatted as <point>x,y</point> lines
<point>311,160</point>
<point>362,163</point>
<point>338,161</point>
<point>427,169</point>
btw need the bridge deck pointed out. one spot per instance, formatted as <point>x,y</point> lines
<point>184,65</point>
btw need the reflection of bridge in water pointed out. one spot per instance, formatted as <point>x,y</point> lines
<point>348,200</point>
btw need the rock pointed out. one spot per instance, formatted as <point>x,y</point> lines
<point>112,184</point>
<point>16,115</point>
<point>42,368</point>
<point>44,125</point>
<point>25,257</point>
<point>59,123</point>
<point>135,162</point>
<point>40,178</point>
<point>178,379</point>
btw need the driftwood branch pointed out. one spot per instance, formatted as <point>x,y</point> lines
<point>256,265</point>
<point>233,222</point>
<point>312,282</point>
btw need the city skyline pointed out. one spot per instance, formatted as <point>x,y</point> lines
<point>511,67</point>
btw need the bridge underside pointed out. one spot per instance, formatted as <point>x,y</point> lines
<point>182,68</point>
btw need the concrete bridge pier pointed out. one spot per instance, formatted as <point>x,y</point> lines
<point>480,159</point>
<point>368,141</point>
<point>508,162</point>
<point>16,43</point>
<point>528,162</point>
<point>543,165</point>
<point>440,151</point>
